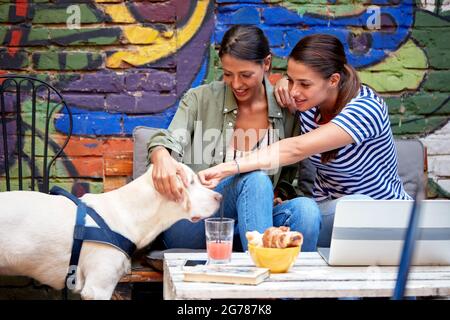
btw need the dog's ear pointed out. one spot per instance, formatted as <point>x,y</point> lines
<point>186,201</point>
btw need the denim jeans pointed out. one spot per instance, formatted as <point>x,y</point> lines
<point>327,209</point>
<point>248,198</point>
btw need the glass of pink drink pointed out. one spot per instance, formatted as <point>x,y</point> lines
<point>219,239</point>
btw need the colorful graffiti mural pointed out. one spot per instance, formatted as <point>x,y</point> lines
<point>121,64</point>
<point>158,52</point>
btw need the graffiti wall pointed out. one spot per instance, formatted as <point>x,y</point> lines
<point>121,64</point>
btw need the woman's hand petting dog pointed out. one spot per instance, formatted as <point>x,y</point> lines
<point>167,173</point>
<point>211,177</point>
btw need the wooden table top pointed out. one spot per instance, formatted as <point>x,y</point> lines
<point>310,277</point>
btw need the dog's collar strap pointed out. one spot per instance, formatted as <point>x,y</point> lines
<point>103,234</point>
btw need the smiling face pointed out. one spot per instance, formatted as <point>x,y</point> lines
<point>244,77</point>
<point>309,89</point>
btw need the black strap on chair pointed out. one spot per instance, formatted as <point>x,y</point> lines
<point>101,234</point>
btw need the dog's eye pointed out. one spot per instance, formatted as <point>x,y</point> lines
<point>192,181</point>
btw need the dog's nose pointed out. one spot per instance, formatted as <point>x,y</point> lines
<point>218,197</point>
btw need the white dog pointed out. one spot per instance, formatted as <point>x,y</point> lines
<point>36,231</point>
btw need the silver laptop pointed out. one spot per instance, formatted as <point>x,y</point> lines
<point>371,232</point>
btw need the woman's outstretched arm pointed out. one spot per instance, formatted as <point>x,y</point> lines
<point>284,152</point>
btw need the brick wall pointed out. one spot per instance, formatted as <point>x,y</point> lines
<point>120,64</point>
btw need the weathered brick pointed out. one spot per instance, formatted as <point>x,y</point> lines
<point>57,13</point>
<point>120,103</point>
<point>27,172</point>
<point>432,37</point>
<point>3,31</point>
<point>62,80</point>
<point>435,45</point>
<point>78,186</point>
<point>39,145</point>
<point>437,58</point>
<point>118,164</point>
<point>112,183</point>
<point>275,36</point>
<point>159,81</point>
<point>51,60</point>
<point>438,81</point>
<point>155,81</point>
<point>437,145</point>
<point>153,102</point>
<point>24,35</point>
<point>428,103</point>
<point>97,82</point>
<point>439,165</point>
<point>419,103</point>
<point>84,146</point>
<point>154,121</point>
<point>133,81</point>
<point>12,59</point>
<point>164,12</point>
<point>80,146</point>
<point>427,19</point>
<point>15,13</point>
<point>95,123</point>
<point>415,124</point>
<point>85,101</point>
<point>395,104</point>
<point>243,15</point>
<point>85,36</point>
<point>145,102</point>
<point>140,35</point>
<point>445,184</point>
<point>87,167</point>
<point>271,16</point>
<point>37,36</point>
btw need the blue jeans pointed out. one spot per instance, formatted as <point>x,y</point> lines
<point>248,198</point>
<point>327,209</point>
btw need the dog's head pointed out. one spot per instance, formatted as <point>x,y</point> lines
<point>198,201</point>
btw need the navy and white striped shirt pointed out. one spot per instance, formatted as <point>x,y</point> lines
<point>368,166</point>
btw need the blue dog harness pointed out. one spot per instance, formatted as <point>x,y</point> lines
<point>102,234</point>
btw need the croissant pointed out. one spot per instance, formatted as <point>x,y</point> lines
<point>254,238</point>
<point>275,237</point>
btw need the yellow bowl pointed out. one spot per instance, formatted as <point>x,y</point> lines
<point>277,260</point>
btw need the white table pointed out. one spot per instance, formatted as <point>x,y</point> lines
<point>310,277</point>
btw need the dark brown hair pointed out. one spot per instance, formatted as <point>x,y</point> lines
<point>325,54</point>
<point>245,42</point>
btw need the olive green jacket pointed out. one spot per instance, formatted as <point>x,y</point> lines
<point>203,124</point>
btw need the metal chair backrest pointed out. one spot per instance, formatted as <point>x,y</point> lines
<point>27,112</point>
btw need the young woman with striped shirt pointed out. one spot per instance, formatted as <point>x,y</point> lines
<point>345,132</point>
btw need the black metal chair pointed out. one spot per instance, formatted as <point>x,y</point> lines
<point>27,112</point>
